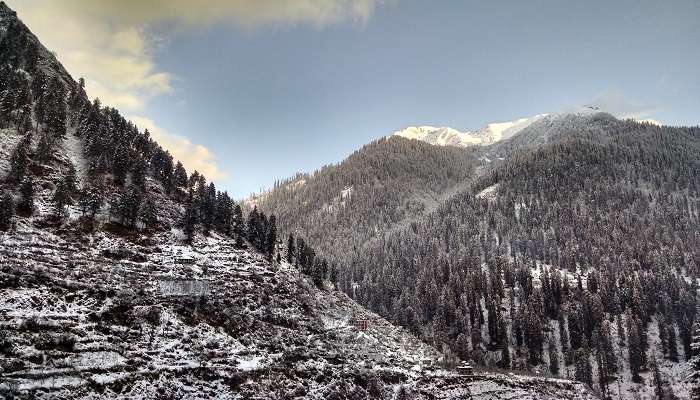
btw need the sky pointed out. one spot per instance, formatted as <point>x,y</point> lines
<point>251,91</point>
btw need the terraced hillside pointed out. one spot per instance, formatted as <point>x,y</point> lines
<point>92,318</point>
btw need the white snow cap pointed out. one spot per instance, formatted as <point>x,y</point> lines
<point>491,133</point>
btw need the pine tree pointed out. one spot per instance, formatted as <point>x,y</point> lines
<point>61,199</point>
<point>208,208</point>
<point>505,361</point>
<point>138,174</point>
<point>634,348</point>
<point>290,249</point>
<point>180,176</point>
<point>658,381</point>
<point>672,344</point>
<point>271,239</point>
<point>317,272</point>
<point>7,211</point>
<point>238,226</point>
<point>71,180</point>
<point>333,274</point>
<point>553,359</point>
<point>19,161</point>
<point>584,371</point>
<point>253,226</point>
<point>92,197</point>
<point>190,219</point>
<point>129,205</point>
<point>26,203</point>
<point>148,213</point>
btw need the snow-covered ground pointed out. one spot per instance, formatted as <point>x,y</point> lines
<point>82,325</point>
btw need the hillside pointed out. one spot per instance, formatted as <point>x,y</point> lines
<point>385,184</point>
<point>122,276</point>
<point>571,239</point>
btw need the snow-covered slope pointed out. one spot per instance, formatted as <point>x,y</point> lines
<point>491,133</point>
<point>95,317</point>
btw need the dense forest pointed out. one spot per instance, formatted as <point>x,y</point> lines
<point>581,240</point>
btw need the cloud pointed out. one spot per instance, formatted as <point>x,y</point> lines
<point>116,59</point>
<point>621,106</point>
<point>193,156</point>
<point>109,44</point>
<point>649,121</point>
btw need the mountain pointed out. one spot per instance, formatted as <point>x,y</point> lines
<point>386,183</point>
<point>122,276</point>
<point>491,133</point>
<point>570,247</point>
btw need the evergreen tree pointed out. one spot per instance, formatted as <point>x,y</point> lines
<point>208,207</point>
<point>224,213</point>
<point>138,174</point>
<point>61,199</point>
<point>505,361</point>
<point>92,197</point>
<point>129,205</point>
<point>71,180</point>
<point>658,381</point>
<point>584,371</point>
<point>180,177</point>
<point>333,274</point>
<point>634,348</point>
<point>553,359</point>
<point>271,239</point>
<point>7,211</point>
<point>317,272</point>
<point>19,161</point>
<point>26,203</point>
<point>238,226</point>
<point>672,343</point>
<point>253,227</point>
<point>190,219</point>
<point>148,213</point>
<point>291,249</point>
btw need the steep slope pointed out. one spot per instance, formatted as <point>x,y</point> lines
<point>106,317</point>
<point>385,184</point>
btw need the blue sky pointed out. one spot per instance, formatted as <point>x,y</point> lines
<point>259,93</point>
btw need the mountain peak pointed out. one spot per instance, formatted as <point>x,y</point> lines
<point>446,136</point>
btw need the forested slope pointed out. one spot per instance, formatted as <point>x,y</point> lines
<point>573,249</point>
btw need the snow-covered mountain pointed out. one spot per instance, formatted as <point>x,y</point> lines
<point>95,307</point>
<point>489,134</point>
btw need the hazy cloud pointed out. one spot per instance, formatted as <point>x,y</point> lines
<point>193,156</point>
<point>107,42</point>
<point>616,103</point>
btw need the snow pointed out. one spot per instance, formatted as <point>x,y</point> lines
<point>74,150</point>
<point>446,136</point>
<point>250,364</point>
<point>488,193</point>
<point>442,136</point>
